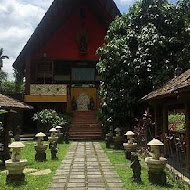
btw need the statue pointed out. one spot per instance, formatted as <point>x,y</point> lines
<point>136,167</point>
<point>53,147</point>
<point>17,133</point>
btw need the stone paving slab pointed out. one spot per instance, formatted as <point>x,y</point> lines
<point>86,167</point>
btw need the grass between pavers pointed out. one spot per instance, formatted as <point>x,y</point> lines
<point>123,169</point>
<point>41,182</point>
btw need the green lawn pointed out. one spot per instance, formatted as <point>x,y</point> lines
<point>123,169</point>
<point>36,182</point>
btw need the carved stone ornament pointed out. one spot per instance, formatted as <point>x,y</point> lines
<point>82,102</point>
<point>48,89</point>
<point>82,41</point>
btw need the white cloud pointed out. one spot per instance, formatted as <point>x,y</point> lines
<point>18,19</point>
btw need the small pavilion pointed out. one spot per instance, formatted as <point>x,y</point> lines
<point>174,94</point>
<point>10,105</point>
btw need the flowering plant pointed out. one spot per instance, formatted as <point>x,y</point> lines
<point>50,118</point>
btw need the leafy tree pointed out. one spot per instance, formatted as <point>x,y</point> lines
<point>11,86</point>
<point>3,77</point>
<point>19,84</point>
<point>142,51</point>
<point>2,57</point>
<point>184,7</point>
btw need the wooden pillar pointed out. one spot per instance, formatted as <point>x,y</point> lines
<point>165,127</point>
<point>165,119</point>
<point>27,74</point>
<point>7,123</point>
<point>69,108</point>
<point>187,134</point>
<point>157,119</point>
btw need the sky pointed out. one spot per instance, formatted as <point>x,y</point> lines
<point>18,20</point>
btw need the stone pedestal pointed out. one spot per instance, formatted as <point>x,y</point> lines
<point>128,149</point>
<point>66,138</point>
<point>127,155</point>
<point>52,139</point>
<point>118,142</point>
<point>109,140</point>
<point>40,152</point>
<point>15,178</point>
<point>60,139</point>
<point>158,178</point>
<point>156,171</point>
<point>15,171</point>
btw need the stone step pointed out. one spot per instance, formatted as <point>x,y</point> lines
<point>84,125</point>
<point>85,130</point>
<point>26,139</point>
<point>27,135</point>
<point>91,125</point>
<point>85,137</point>
<point>85,121</point>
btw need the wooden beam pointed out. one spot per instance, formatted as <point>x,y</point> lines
<point>187,134</point>
<point>158,119</point>
<point>45,98</point>
<point>27,74</point>
<point>165,126</point>
<point>165,118</point>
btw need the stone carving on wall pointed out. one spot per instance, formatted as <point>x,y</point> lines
<point>82,102</point>
<point>82,41</point>
<point>48,89</point>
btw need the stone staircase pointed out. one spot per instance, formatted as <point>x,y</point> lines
<point>84,126</point>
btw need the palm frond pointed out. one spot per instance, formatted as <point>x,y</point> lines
<point>1,52</point>
<point>4,57</point>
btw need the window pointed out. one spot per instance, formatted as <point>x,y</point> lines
<point>83,74</point>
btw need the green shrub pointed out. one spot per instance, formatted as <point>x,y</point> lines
<point>49,118</point>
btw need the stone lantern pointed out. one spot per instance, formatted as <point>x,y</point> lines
<point>53,137</point>
<point>130,146</point>
<point>59,134</point>
<point>40,147</point>
<point>53,143</point>
<point>156,163</point>
<point>109,138</point>
<point>15,165</point>
<point>118,139</point>
<point>118,131</point>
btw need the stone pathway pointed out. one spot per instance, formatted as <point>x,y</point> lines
<point>86,167</point>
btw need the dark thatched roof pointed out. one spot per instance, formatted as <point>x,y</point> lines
<point>10,103</point>
<point>171,88</point>
<point>56,16</point>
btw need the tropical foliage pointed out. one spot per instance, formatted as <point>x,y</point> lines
<point>2,111</point>
<point>11,86</point>
<point>50,118</point>
<point>2,57</point>
<point>143,50</point>
<point>176,122</point>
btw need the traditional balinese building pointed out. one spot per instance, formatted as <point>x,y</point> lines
<point>9,107</point>
<point>173,95</point>
<point>59,60</point>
